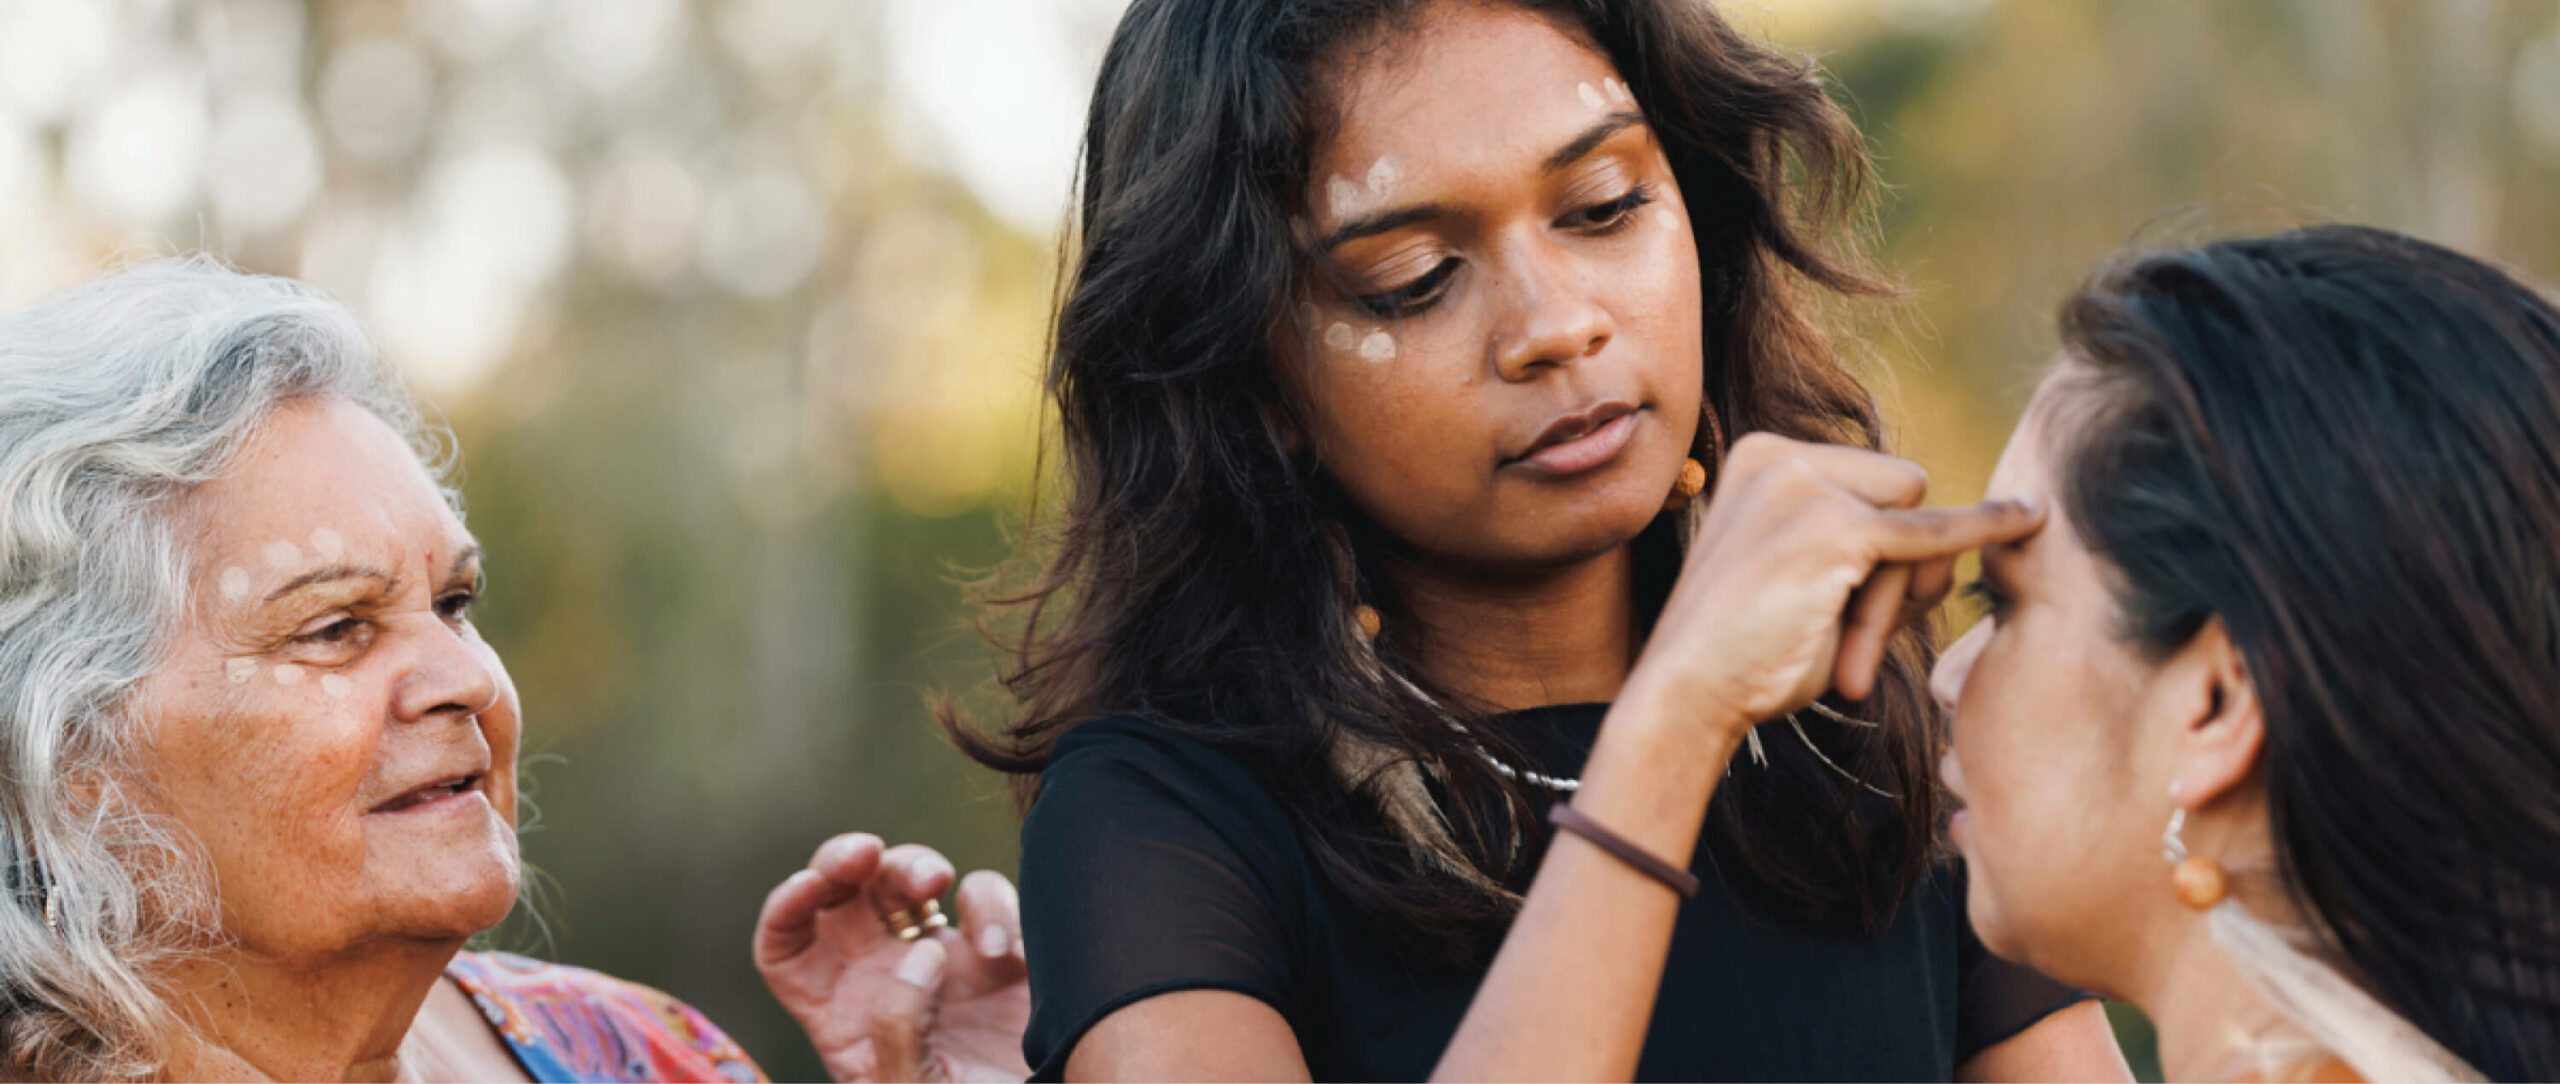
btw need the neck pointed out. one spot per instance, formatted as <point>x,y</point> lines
<point>253,1017</point>
<point>2212,1023</point>
<point>1565,636</point>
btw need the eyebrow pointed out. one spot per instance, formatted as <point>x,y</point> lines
<point>330,574</point>
<point>336,573</point>
<point>1401,217</point>
<point>1590,140</point>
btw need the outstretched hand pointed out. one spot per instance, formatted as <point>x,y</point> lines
<point>950,1006</point>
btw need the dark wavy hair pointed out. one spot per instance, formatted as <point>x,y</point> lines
<point>1204,572</point>
<point>2345,444</point>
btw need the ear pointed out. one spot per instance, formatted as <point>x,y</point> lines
<point>2222,728</point>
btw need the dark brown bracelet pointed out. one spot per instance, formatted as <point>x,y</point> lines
<point>1564,815</point>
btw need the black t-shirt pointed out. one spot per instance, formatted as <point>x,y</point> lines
<point>1153,863</point>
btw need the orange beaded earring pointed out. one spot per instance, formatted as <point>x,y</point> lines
<point>2199,881</point>
<point>1693,474</point>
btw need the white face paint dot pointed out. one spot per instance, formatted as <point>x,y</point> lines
<point>235,583</point>
<point>1383,175</point>
<point>1340,336</point>
<point>1617,90</point>
<point>282,555</point>
<point>1341,195</point>
<point>1590,96</point>
<point>1379,346</point>
<point>288,674</point>
<point>327,544</point>
<point>239,670</point>
<point>337,687</point>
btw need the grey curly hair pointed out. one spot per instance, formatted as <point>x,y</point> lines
<point>117,398</point>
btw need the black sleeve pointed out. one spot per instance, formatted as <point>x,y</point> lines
<point>1997,999</point>
<point>1151,863</point>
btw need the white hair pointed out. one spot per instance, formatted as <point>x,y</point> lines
<point>117,398</point>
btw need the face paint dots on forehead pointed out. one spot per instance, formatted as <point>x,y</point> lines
<point>1383,175</point>
<point>239,671</point>
<point>1617,91</point>
<point>288,675</point>
<point>235,583</point>
<point>1379,346</point>
<point>337,686</point>
<point>282,555</point>
<point>1591,96</point>
<point>327,544</point>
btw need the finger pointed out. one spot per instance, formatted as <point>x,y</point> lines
<point>1874,477</point>
<point>905,1015</point>
<point>1930,582</point>
<point>840,870</point>
<point>1874,613</point>
<point>990,914</point>
<point>789,921</point>
<point>910,874</point>
<point>1930,534</point>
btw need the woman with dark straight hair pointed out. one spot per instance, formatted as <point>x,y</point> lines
<point>2298,601</point>
<point>1397,338</point>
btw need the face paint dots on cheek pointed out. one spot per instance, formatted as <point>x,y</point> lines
<point>1591,96</point>
<point>327,544</point>
<point>282,555</point>
<point>1340,336</point>
<point>1379,346</point>
<point>235,583</point>
<point>288,675</point>
<point>239,671</point>
<point>336,686</point>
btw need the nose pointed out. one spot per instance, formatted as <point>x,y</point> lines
<point>1554,318</point>
<point>449,675</point>
<point>1955,666</point>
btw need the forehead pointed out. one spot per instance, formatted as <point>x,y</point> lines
<point>322,464</point>
<point>1464,83</point>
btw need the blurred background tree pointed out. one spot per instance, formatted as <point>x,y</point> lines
<point>737,307</point>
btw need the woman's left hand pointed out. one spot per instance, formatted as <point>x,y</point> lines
<point>949,1006</point>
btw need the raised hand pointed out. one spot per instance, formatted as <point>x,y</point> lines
<point>949,1006</point>
<point>1809,557</point>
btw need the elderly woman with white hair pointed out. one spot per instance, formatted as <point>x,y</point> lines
<point>262,770</point>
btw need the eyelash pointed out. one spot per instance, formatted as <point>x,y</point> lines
<point>452,607</point>
<point>1993,601</point>
<point>1599,219</point>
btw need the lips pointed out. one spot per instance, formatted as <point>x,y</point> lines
<point>1579,441</point>
<point>430,794</point>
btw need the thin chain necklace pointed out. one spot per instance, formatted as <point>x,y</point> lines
<point>1568,784</point>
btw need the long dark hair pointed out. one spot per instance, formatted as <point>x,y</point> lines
<point>2345,444</point>
<point>1203,573</point>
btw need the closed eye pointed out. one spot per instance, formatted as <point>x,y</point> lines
<point>1609,216</point>
<point>1412,297</point>
<point>1988,595</point>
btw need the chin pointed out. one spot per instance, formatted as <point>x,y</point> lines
<point>454,892</point>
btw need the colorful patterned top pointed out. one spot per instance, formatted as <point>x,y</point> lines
<point>571,1024</point>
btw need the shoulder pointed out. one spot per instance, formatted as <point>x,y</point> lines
<point>569,1022</point>
<point>1119,767</point>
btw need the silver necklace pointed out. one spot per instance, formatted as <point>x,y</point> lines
<point>1568,785</point>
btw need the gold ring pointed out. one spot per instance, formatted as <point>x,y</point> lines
<point>909,925</point>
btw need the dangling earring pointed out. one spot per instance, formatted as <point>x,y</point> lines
<point>1693,474</point>
<point>1691,482</point>
<point>53,907</point>
<point>2199,881</point>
